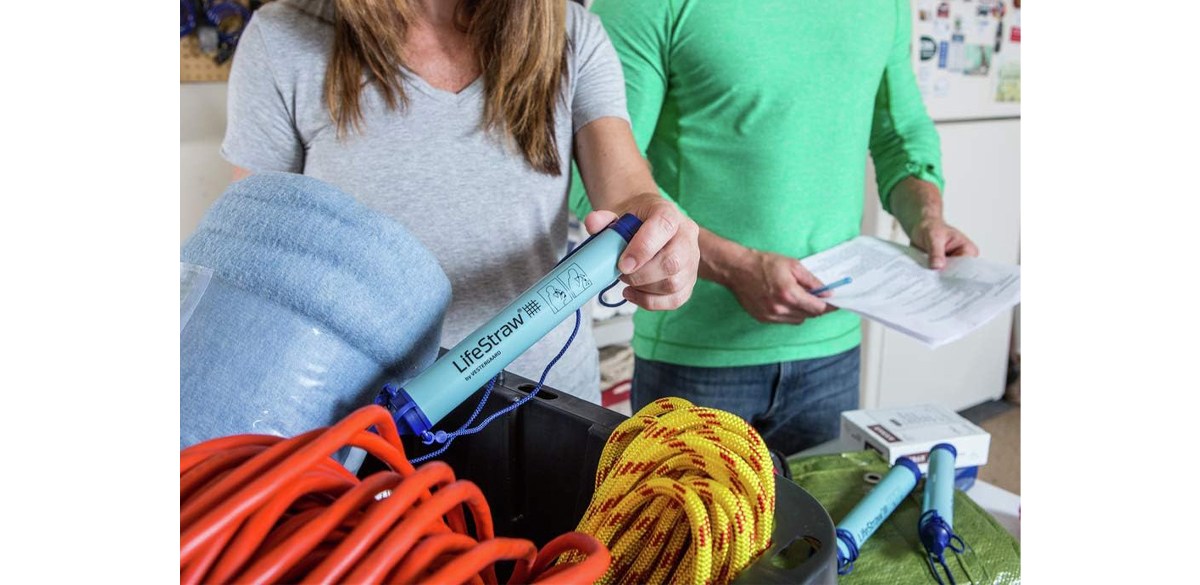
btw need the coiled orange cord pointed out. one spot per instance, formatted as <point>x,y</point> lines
<point>259,509</point>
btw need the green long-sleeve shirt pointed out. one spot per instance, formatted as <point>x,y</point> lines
<point>756,117</point>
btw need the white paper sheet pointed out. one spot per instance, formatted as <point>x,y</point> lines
<point>893,285</point>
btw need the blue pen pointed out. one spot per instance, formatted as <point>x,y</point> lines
<point>831,286</point>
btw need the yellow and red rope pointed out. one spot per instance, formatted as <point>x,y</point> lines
<point>684,494</point>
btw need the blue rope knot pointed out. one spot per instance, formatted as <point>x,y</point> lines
<point>937,535</point>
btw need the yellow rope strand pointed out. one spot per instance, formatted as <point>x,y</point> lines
<point>683,494</point>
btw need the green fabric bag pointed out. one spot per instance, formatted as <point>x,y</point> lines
<point>894,553</point>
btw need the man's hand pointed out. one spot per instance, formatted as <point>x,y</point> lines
<point>773,288</point>
<point>660,263</point>
<point>939,239</point>
<point>918,206</point>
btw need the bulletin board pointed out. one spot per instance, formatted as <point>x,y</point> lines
<point>194,64</point>
<point>967,58</point>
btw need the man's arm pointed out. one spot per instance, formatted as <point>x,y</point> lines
<point>907,154</point>
<point>770,287</point>
<point>917,205</point>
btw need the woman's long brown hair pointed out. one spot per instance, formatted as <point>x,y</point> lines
<point>520,44</point>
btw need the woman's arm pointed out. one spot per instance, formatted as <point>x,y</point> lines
<point>661,262</point>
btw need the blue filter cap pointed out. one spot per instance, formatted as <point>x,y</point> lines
<point>935,533</point>
<point>908,464</point>
<point>946,446</point>
<point>627,225</point>
<point>408,416</point>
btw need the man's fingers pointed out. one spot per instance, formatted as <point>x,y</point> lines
<point>809,282</point>
<point>789,313</point>
<point>937,249</point>
<point>795,296</point>
<point>961,245</point>
<point>804,277</point>
<point>811,305</point>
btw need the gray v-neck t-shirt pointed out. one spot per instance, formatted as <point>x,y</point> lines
<point>495,225</point>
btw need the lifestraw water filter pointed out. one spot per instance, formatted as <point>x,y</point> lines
<point>587,271</point>
<point>936,526</point>
<point>866,516</point>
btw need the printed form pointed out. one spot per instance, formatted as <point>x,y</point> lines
<point>893,285</point>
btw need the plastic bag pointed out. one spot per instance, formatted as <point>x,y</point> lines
<point>894,553</point>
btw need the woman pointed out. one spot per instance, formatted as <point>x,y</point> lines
<point>458,118</point>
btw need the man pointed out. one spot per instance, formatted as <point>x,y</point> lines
<point>755,117</point>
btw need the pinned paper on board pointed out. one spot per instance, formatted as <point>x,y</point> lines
<point>977,60</point>
<point>1008,82</point>
<point>967,50</point>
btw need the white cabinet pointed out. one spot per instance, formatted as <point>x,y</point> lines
<point>203,174</point>
<point>981,162</point>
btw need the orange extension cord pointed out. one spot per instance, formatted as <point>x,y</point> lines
<point>259,509</point>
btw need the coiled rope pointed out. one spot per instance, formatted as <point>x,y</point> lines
<point>684,494</point>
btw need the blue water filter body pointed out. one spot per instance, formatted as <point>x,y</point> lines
<point>452,379</point>
<point>870,512</point>
<point>936,526</point>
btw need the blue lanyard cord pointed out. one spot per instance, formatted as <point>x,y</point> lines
<point>600,297</point>
<point>956,545</point>
<point>846,565</point>
<point>933,567</point>
<point>443,437</point>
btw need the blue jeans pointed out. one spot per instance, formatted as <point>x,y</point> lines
<point>793,405</point>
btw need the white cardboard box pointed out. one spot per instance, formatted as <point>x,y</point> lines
<point>912,431</point>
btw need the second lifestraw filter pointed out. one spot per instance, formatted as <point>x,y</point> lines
<point>936,526</point>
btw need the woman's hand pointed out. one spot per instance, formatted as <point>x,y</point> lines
<point>661,262</point>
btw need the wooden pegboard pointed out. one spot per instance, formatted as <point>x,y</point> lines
<point>196,66</point>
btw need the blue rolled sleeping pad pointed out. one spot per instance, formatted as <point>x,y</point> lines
<point>297,302</point>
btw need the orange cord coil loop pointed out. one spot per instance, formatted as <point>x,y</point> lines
<point>263,509</point>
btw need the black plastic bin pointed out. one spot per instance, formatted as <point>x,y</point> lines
<point>537,466</point>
